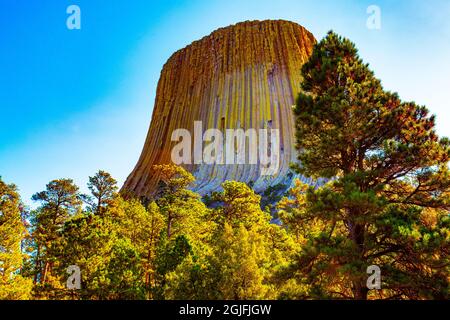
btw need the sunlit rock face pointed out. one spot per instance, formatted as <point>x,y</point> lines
<point>243,76</point>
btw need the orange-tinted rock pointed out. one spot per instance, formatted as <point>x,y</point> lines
<point>242,76</point>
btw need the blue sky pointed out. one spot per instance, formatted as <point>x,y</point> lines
<point>76,101</point>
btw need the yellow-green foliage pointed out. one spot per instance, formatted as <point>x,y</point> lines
<point>174,247</point>
<point>12,232</point>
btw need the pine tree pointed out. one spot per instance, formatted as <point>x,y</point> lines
<point>169,255</point>
<point>183,239</point>
<point>60,201</point>
<point>114,245</point>
<point>87,241</point>
<point>389,175</point>
<point>239,264</point>
<point>182,208</point>
<point>103,188</point>
<point>239,205</point>
<point>141,227</point>
<point>12,232</point>
<point>246,248</point>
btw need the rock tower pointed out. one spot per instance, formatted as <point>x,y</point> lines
<point>243,76</point>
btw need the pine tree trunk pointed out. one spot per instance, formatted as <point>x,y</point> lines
<point>169,225</point>
<point>44,275</point>
<point>37,264</point>
<point>360,289</point>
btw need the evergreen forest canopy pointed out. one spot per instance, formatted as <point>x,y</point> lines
<point>386,203</point>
